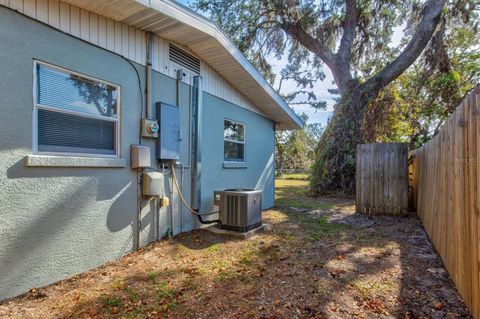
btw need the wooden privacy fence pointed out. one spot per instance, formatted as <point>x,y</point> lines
<point>382,178</point>
<point>445,186</point>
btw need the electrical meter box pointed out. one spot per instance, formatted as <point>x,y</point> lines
<point>169,133</point>
<point>152,184</point>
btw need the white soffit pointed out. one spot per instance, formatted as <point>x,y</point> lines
<point>180,24</point>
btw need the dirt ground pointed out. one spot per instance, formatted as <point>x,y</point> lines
<point>316,259</point>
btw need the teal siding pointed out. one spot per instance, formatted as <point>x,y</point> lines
<point>57,222</point>
<point>258,172</point>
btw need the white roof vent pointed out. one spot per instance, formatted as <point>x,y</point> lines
<point>184,59</point>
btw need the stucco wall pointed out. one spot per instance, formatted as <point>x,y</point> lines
<point>259,168</point>
<point>57,222</point>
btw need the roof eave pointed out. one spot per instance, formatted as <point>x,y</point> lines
<point>186,15</point>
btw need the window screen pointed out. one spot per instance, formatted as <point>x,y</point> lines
<point>75,113</point>
<point>234,141</point>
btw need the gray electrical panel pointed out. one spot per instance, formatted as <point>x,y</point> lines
<point>168,147</point>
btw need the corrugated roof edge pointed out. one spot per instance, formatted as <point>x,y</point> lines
<point>235,52</point>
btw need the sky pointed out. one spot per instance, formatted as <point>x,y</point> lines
<point>320,87</point>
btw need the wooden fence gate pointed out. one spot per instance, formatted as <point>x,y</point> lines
<point>382,179</point>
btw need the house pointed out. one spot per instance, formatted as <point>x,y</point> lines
<point>84,80</point>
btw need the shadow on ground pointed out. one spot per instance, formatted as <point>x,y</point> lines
<point>316,259</point>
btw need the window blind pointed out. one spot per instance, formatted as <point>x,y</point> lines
<point>74,93</point>
<point>74,134</point>
<point>75,114</point>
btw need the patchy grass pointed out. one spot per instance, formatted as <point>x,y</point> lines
<point>117,284</point>
<point>294,193</point>
<point>113,301</point>
<point>370,289</point>
<point>152,275</point>
<point>214,248</point>
<point>225,274</point>
<point>297,176</point>
<point>325,262</point>
<point>166,296</point>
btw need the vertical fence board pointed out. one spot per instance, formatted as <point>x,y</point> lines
<point>444,181</point>
<point>382,179</point>
<point>472,209</point>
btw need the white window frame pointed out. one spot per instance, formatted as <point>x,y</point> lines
<point>37,106</point>
<point>244,142</point>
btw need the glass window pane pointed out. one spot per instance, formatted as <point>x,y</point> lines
<point>75,93</point>
<point>234,131</point>
<point>59,132</point>
<point>234,152</point>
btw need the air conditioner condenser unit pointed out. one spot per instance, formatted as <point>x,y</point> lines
<point>239,209</point>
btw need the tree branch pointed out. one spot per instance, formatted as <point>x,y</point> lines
<point>340,70</point>
<point>296,31</point>
<point>425,29</point>
<point>349,26</point>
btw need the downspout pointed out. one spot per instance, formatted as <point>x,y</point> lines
<point>196,159</point>
<point>197,143</point>
<point>139,208</point>
<point>148,86</point>
<point>180,75</point>
<point>148,108</point>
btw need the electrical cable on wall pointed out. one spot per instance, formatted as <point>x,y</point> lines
<point>142,106</point>
<point>141,97</point>
<point>99,47</point>
<point>199,215</point>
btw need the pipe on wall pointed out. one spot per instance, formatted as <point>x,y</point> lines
<point>148,110</point>
<point>172,204</point>
<point>182,173</point>
<point>180,76</point>
<point>139,210</point>
<point>197,142</point>
<point>148,86</point>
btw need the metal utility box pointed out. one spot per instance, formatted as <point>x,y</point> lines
<point>239,209</point>
<point>149,128</point>
<point>169,139</point>
<point>140,156</point>
<point>152,184</point>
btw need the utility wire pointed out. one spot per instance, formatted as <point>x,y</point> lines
<point>183,198</point>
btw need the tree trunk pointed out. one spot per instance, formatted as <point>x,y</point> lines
<point>334,166</point>
<point>280,165</point>
<point>333,171</point>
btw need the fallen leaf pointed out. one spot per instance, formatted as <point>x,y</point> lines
<point>438,306</point>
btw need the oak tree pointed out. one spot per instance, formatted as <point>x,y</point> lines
<point>350,37</point>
